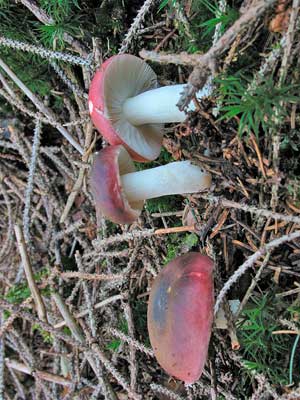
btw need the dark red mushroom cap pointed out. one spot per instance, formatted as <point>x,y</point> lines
<point>180,315</point>
<point>119,78</point>
<point>110,199</point>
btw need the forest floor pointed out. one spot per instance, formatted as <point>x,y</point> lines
<point>74,290</point>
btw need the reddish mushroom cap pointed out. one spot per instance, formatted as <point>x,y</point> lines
<point>119,78</point>
<point>180,315</point>
<point>110,199</point>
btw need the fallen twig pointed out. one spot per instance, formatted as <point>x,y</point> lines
<point>135,26</point>
<point>1,361</point>
<point>40,306</point>
<point>127,339</point>
<point>204,64</point>
<point>252,286</point>
<point>96,307</point>
<point>29,188</point>
<point>251,209</point>
<point>44,53</point>
<point>136,234</point>
<point>78,335</point>
<point>90,277</point>
<point>249,263</point>
<point>175,229</point>
<point>40,105</point>
<point>59,380</point>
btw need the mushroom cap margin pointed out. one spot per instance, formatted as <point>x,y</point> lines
<point>110,199</point>
<point>109,90</point>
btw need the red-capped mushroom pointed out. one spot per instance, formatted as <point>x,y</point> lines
<point>119,192</point>
<point>105,181</point>
<point>127,107</point>
<point>180,315</point>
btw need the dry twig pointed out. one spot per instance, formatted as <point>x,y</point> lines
<point>135,26</point>
<point>204,64</point>
<point>40,306</point>
<point>39,104</point>
<point>250,262</point>
<point>38,374</point>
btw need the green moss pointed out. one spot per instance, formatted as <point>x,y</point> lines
<point>262,351</point>
<point>67,331</point>
<point>47,337</point>
<point>20,292</point>
<point>176,242</point>
<point>17,293</point>
<point>161,204</point>
<point>190,240</point>
<point>114,344</point>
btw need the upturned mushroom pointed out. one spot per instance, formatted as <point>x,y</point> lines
<point>119,191</point>
<point>180,315</point>
<point>128,108</point>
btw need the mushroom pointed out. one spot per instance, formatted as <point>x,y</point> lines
<point>119,191</point>
<point>128,108</point>
<point>180,315</point>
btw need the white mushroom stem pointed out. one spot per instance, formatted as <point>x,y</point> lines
<point>159,105</point>
<point>174,178</point>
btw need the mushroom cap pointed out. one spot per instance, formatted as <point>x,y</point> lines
<point>119,78</point>
<point>180,315</point>
<point>105,182</point>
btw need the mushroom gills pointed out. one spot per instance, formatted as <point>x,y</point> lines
<point>174,178</point>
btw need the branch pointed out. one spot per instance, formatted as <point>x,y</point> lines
<point>5,244</point>
<point>38,374</point>
<point>78,335</point>
<point>39,105</point>
<point>249,263</point>
<point>89,143</point>
<point>2,351</point>
<point>31,172</point>
<point>45,53</point>
<point>251,209</point>
<point>204,64</point>
<point>289,40</point>
<point>41,309</point>
<point>96,306</point>
<point>90,277</point>
<point>125,237</point>
<point>164,391</point>
<point>132,342</point>
<point>135,26</point>
<point>81,344</point>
